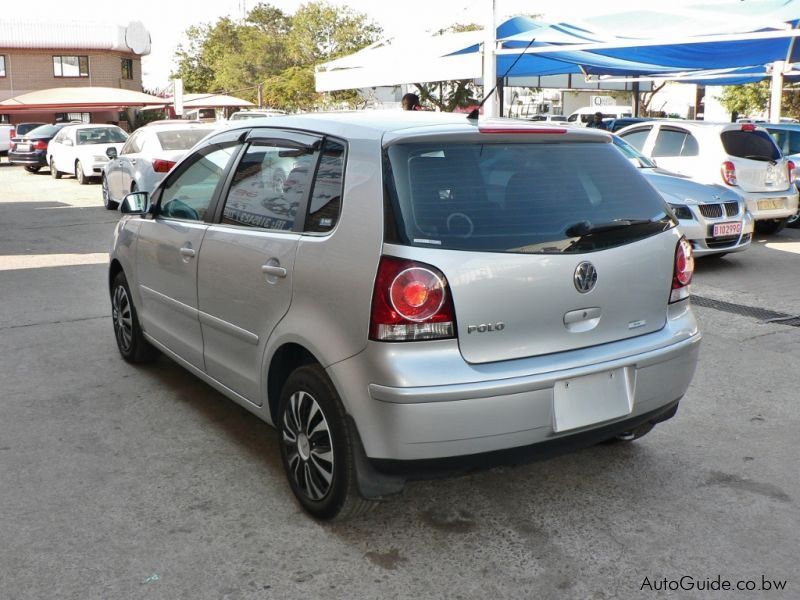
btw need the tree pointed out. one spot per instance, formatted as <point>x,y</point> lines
<point>746,99</point>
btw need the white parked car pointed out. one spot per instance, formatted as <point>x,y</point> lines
<point>81,150</point>
<point>741,156</point>
<point>146,157</point>
<point>713,218</point>
<point>256,114</point>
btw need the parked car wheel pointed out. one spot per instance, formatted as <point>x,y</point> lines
<point>317,447</point>
<point>55,173</point>
<point>794,221</point>
<point>130,341</point>
<point>768,226</point>
<point>106,200</point>
<point>32,168</point>
<point>79,174</point>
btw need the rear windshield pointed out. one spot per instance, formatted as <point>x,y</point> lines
<point>181,139</point>
<point>755,145</point>
<point>24,128</point>
<point>525,198</point>
<point>45,131</point>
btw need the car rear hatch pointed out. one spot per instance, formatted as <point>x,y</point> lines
<point>757,159</point>
<point>548,242</point>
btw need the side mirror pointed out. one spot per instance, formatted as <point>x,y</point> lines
<point>68,142</point>
<point>135,203</point>
<point>111,153</point>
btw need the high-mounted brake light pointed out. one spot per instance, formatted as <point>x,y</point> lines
<point>682,272</point>
<point>791,168</point>
<point>511,130</point>
<point>162,166</point>
<point>748,127</point>
<point>411,301</point>
<point>728,171</point>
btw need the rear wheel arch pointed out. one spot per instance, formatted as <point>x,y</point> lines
<point>284,362</point>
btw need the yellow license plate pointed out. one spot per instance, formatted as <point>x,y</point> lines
<point>770,204</point>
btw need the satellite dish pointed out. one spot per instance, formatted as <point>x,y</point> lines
<point>137,38</point>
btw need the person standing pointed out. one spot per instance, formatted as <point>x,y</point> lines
<point>597,121</point>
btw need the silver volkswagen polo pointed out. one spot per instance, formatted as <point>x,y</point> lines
<point>423,294</point>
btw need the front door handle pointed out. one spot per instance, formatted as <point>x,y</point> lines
<point>273,270</point>
<point>187,252</point>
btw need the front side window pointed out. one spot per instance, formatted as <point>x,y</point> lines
<point>127,68</point>
<point>270,184</point>
<point>188,194</point>
<point>2,65</point>
<point>134,143</point>
<point>70,66</point>
<point>637,138</point>
<point>519,198</point>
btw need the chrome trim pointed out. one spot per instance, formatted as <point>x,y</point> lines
<point>171,302</point>
<point>229,328</point>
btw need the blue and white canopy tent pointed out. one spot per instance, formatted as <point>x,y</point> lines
<point>735,49</point>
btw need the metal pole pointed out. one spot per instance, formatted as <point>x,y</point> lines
<point>260,95</point>
<point>777,91</point>
<point>489,61</point>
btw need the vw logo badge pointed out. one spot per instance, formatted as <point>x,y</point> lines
<point>585,277</point>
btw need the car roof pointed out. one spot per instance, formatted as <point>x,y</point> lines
<point>374,124</point>
<point>91,126</point>
<point>178,126</point>
<point>783,126</point>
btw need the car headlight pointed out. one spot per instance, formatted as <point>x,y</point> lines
<point>100,158</point>
<point>682,212</point>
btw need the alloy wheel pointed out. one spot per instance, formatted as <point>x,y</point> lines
<point>309,446</point>
<point>123,318</point>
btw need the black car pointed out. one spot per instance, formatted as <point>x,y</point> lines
<point>31,149</point>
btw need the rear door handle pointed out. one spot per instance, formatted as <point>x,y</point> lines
<point>273,270</point>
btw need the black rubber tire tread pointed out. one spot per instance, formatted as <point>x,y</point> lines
<point>141,350</point>
<point>771,225</point>
<point>32,168</point>
<point>108,203</point>
<point>345,500</point>
<point>794,224</point>
<point>54,173</point>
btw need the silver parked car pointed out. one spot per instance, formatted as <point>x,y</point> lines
<point>146,157</point>
<point>714,219</point>
<point>424,294</point>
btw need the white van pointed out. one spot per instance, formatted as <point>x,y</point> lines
<point>5,137</point>
<point>585,114</point>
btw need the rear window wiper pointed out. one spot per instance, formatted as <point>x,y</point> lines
<point>582,228</point>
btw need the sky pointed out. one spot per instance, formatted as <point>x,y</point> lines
<point>167,20</point>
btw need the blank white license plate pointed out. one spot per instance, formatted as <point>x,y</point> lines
<point>23,148</point>
<point>770,204</point>
<point>725,229</point>
<point>592,399</point>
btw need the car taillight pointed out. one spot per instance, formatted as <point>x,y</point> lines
<point>728,171</point>
<point>411,301</point>
<point>40,145</point>
<point>162,166</point>
<point>683,271</point>
<point>791,167</point>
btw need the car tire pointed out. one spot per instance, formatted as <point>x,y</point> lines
<point>769,226</point>
<point>79,174</point>
<point>716,256</point>
<point>127,331</point>
<point>32,168</point>
<point>54,173</point>
<point>107,202</point>
<point>794,221</point>
<point>320,467</point>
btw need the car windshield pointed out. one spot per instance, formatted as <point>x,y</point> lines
<point>745,143</point>
<point>101,135</point>
<point>521,198</point>
<point>180,139</point>
<point>633,154</point>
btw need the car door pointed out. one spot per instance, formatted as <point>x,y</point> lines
<point>65,160</point>
<point>115,175</point>
<point>167,251</point>
<point>246,260</point>
<point>675,149</point>
<point>58,148</point>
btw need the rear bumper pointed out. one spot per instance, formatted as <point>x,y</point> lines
<point>38,159</point>
<point>786,204</point>
<point>505,405</point>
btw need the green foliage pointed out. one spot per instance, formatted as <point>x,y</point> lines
<point>273,48</point>
<point>746,99</point>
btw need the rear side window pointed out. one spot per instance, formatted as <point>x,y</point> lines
<point>326,197</point>
<point>525,198</point>
<point>269,185</point>
<point>788,140</point>
<point>755,145</point>
<point>674,142</point>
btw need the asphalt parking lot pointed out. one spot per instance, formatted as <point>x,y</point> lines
<point>122,482</point>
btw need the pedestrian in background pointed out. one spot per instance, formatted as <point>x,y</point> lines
<point>597,121</point>
<point>411,102</point>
